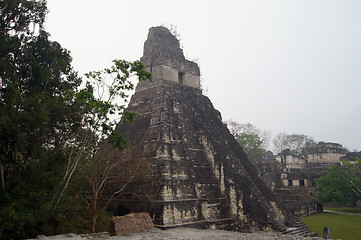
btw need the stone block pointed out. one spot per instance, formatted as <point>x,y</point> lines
<point>130,223</point>
<point>327,232</point>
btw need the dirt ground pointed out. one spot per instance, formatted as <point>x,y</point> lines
<point>185,234</point>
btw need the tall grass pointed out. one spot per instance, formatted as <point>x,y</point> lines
<point>342,226</point>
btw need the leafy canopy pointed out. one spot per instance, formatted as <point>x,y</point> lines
<point>298,144</point>
<point>253,140</point>
<point>49,123</point>
<point>341,184</point>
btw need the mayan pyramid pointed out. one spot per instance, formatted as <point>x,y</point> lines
<point>199,174</point>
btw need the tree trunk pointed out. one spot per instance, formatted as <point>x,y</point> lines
<point>94,220</point>
<point>2,178</point>
<point>95,213</point>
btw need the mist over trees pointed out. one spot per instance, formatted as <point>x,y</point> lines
<point>257,142</point>
<point>51,122</point>
<point>298,144</point>
<point>254,141</point>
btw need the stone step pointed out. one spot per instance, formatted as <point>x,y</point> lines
<point>197,224</point>
<point>299,224</point>
<point>301,232</point>
<point>302,227</point>
<point>297,231</point>
<point>299,228</point>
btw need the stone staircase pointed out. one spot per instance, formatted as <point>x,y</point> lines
<point>299,200</point>
<point>299,229</point>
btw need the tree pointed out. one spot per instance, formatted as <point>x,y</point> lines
<point>298,144</point>
<point>48,123</point>
<point>111,173</point>
<point>253,141</point>
<point>99,111</point>
<point>341,184</point>
<point>101,114</point>
<point>35,74</point>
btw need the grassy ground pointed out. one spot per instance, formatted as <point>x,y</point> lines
<point>342,226</point>
<point>349,210</point>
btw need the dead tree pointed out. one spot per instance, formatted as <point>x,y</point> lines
<point>113,171</point>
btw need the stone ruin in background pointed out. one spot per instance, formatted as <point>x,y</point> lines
<point>293,177</point>
<point>199,175</point>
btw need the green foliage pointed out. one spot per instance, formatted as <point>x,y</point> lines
<point>98,99</point>
<point>49,127</point>
<point>332,186</point>
<point>18,15</point>
<point>34,72</point>
<point>342,226</point>
<point>253,141</point>
<point>75,216</point>
<point>252,145</point>
<point>341,184</point>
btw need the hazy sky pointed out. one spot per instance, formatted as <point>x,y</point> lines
<point>284,66</point>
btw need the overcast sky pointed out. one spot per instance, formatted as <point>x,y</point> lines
<point>284,66</point>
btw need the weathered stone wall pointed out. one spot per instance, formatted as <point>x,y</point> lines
<point>161,73</point>
<point>202,176</point>
<point>191,80</point>
<point>164,72</point>
<point>326,153</point>
<point>164,58</point>
<point>292,162</point>
<point>325,157</point>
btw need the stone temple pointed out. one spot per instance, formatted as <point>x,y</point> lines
<point>199,175</point>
